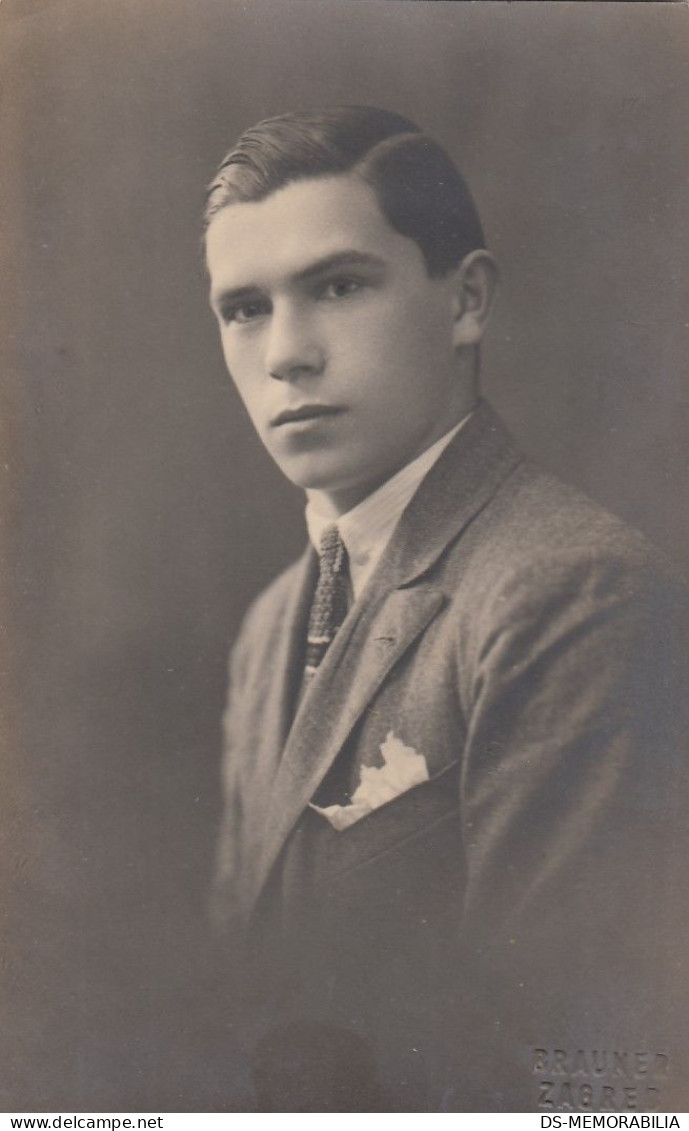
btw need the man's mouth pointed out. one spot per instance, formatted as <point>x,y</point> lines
<point>304,412</point>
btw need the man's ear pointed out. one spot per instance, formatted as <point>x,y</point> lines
<point>475,284</point>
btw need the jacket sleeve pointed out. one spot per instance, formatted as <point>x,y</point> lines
<point>574,802</point>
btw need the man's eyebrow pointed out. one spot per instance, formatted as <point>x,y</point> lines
<point>234,295</point>
<point>340,260</point>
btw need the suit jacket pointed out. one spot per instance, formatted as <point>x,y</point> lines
<point>508,934</point>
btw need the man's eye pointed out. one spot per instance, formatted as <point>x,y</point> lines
<point>341,288</point>
<point>244,312</point>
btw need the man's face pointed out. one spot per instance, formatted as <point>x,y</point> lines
<point>339,342</point>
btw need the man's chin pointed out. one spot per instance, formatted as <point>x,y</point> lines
<point>340,493</point>
<point>315,476</point>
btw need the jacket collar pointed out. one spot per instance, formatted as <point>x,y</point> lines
<point>455,490</point>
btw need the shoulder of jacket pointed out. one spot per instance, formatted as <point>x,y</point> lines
<point>270,601</point>
<point>539,521</point>
<point>543,549</point>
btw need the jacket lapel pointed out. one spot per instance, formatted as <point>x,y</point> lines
<point>398,604</point>
<point>363,652</point>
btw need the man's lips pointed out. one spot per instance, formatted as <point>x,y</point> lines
<point>304,412</point>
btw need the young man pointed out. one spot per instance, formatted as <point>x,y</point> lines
<point>456,727</point>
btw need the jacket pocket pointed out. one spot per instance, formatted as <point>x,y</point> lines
<point>407,816</point>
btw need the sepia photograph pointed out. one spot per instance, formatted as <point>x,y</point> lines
<point>345,542</point>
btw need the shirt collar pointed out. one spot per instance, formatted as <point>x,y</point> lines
<point>366,528</point>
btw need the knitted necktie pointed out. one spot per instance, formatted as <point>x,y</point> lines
<point>329,605</point>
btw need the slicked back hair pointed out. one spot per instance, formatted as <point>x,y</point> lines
<point>419,190</point>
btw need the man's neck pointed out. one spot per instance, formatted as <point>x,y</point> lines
<point>367,527</point>
<point>334,504</point>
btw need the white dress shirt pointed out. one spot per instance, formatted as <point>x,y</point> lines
<point>367,528</point>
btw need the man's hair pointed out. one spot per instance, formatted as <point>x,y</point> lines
<point>419,190</point>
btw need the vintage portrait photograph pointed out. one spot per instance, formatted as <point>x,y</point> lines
<point>345,543</point>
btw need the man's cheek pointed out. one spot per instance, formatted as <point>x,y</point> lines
<point>250,402</point>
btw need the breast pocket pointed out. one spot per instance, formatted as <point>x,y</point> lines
<point>417,813</point>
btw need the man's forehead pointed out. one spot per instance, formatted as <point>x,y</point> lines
<point>303,222</point>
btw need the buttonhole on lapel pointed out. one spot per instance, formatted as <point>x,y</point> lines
<point>386,641</point>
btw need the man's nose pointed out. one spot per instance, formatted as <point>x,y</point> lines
<point>293,349</point>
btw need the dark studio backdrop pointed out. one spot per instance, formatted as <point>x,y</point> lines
<point>142,513</point>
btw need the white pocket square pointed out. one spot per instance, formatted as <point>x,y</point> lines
<point>402,769</point>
